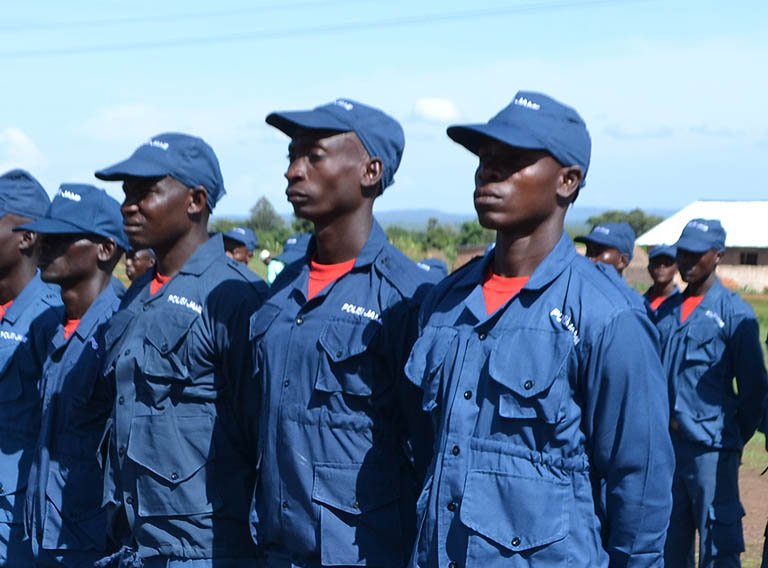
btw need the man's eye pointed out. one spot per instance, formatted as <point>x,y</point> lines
<point>315,156</point>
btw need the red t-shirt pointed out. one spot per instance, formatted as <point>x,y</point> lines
<point>690,303</point>
<point>4,308</point>
<point>157,282</point>
<point>69,327</point>
<point>320,275</point>
<point>498,290</point>
<point>656,301</point>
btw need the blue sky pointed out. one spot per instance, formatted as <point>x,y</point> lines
<point>673,93</point>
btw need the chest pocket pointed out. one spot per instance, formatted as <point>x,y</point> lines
<point>526,367</point>
<point>427,360</point>
<point>164,349</point>
<point>118,325</point>
<point>350,364</point>
<point>10,384</point>
<point>259,324</point>
<point>702,347</point>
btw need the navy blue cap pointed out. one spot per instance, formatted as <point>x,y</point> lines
<point>185,158</point>
<point>662,250</point>
<point>80,209</point>
<point>701,235</point>
<point>535,122</point>
<point>22,194</point>
<point>295,248</point>
<point>620,236</point>
<point>434,266</point>
<point>243,235</point>
<point>381,135</point>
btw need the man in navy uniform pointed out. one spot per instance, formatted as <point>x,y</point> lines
<point>239,244</point>
<point>710,337</point>
<point>542,375</point>
<point>611,243</point>
<point>82,242</point>
<point>344,443</point>
<point>180,465</point>
<point>662,267</point>
<point>24,299</point>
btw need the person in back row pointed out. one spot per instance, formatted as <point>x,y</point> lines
<point>82,242</point>
<point>611,243</point>
<point>662,268</point>
<point>239,244</point>
<point>710,339</point>
<point>139,261</point>
<point>24,300</point>
<point>180,466</point>
<point>542,375</point>
<point>343,441</point>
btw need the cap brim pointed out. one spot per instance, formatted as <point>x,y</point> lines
<point>693,245</point>
<point>132,167</point>
<point>598,240</point>
<point>47,226</point>
<point>290,122</point>
<point>473,136</point>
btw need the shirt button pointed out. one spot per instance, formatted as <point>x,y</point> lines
<point>482,335</point>
<point>145,307</point>
<point>121,451</point>
<point>299,320</point>
<point>127,352</point>
<point>286,382</point>
<point>455,450</point>
<point>129,500</point>
<point>467,394</point>
<point>174,476</point>
<point>285,504</point>
<point>453,564</point>
<point>121,400</point>
<point>451,506</point>
<point>528,385</point>
<point>516,541</point>
<point>2,489</point>
<point>355,504</point>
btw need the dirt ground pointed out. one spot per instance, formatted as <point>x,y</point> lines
<point>754,496</point>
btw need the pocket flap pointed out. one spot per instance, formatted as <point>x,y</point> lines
<point>342,339</point>
<point>166,336</point>
<point>189,436</point>
<point>262,319</point>
<point>428,354</point>
<point>118,323</point>
<point>517,513</point>
<point>355,488</point>
<point>528,360</point>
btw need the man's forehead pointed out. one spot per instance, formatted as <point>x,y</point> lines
<point>325,139</point>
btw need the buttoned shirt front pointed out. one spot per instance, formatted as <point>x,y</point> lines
<point>63,504</point>
<point>181,465</point>
<point>550,417</point>
<point>25,332</point>
<point>717,343</point>
<point>343,439</point>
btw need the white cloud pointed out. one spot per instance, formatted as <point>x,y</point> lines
<point>17,150</point>
<point>435,110</point>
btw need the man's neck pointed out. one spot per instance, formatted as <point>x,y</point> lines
<point>12,284</point>
<point>662,290</point>
<point>79,296</point>
<point>702,287</point>
<point>519,253</point>
<point>342,238</point>
<point>170,260</point>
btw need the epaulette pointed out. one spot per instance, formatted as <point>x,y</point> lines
<point>400,271</point>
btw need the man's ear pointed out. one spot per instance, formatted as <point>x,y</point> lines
<point>107,250</point>
<point>372,173</point>
<point>27,241</point>
<point>623,261</point>
<point>719,257</point>
<point>198,201</point>
<point>568,182</point>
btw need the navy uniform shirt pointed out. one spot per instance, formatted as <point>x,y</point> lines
<point>180,466</point>
<point>63,507</point>
<point>25,331</point>
<point>550,414</point>
<point>718,342</point>
<point>344,442</point>
<point>647,299</point>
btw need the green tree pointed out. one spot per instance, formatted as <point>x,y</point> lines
<point>264,218</point>
<point>299,225</point>
<point>639,220</point>
<point>473,233</point>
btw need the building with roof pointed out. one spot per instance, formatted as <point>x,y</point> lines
<point>745,262</point>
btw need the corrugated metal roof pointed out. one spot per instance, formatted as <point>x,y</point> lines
<point>745,223</point>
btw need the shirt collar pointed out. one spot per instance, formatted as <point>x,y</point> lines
<point>93,316</point>
<point>205,254</point>
<point>30,294</point>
